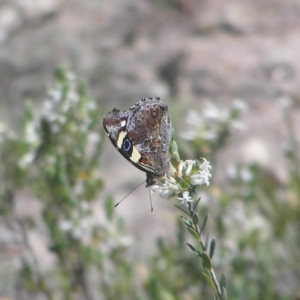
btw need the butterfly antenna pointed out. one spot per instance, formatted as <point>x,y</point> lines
<point>150,201</point>
<point>128,194</point>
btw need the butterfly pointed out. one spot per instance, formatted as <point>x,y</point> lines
<point>142,135</point>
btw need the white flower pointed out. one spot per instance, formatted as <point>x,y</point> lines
<point>203,175</point>
<point>210,124</point>
<point>86,223</point>
<point>197,179</point>
<point>127,240</point>
<point>66,225</point>
<point>240,105</point>
<point>193,118</point>
<point>91,105</point>
<point>189,166</point>
<point>210,135</point>
<point>26,160</point>
<point>238,125</point>
<point>5,132</point>
<point>185,168</point>
<point>31,133</point>
<point>85,206</point>
<point>185,198</point>
<point>205,165</point>
<point>55,95</point>
<point>166,190</point>
<point>196,121</point>
<point>213,112</point>
<point>182,181</point>
<point>73,97</point>
<point>77,233</point>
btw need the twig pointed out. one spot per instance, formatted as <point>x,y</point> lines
<point>202,244</point>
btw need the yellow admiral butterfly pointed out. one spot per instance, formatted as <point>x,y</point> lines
<point>142,136</point>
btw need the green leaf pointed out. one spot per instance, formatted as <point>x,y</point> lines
<point>210,282</point>
<point>194,250</point>
<point>175,149</point>
<point>195,219</point>
<point>204,223</point>
<point>193,233</point>
<point>224,293</point>
<point>223,281</point>
<point>176,156</point>
<point>180,208</point>
<point>109,207</point>
<point>196,203</point>
<point>187,222</point>
<point>60,74</point>
<point>212,248</point>
<point>206,242</point>
<point>206,261</point>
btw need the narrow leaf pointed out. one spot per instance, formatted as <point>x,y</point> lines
<point>195,219</point>
<point>182,209</point>
<point>212,248</point>
<point>194,249</point>
<point>109,207</point>
<point>193,233</point>
<point>206,261</point>
<point>223,281</point>
<point>187,222</point>
<point>204,223</point>
<point>210,282</point>
<point>224,293</point>
<point>175,149</point>
<point>196,203</point>
<point>206,242</point>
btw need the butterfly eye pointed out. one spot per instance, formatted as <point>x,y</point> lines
<point>154,112</point>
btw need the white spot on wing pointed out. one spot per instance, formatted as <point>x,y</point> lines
<point>123,123</point>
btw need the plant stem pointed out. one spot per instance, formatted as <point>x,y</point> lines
<point>202,244</point>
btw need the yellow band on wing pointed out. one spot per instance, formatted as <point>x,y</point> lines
<point>121,137</point>
<point>135,156</point>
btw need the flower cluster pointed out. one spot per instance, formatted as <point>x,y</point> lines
<point>181,181</point>
<point>210,124</point>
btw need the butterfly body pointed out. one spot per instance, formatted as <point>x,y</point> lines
<point>142,136</point>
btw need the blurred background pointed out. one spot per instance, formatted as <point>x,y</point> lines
<point>230,74</point>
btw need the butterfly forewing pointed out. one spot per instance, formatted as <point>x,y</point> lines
<point>142,136</point>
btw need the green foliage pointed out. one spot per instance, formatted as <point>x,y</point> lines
<point>254,221</point>
<point>57,159</point>
<point>259,240</point>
